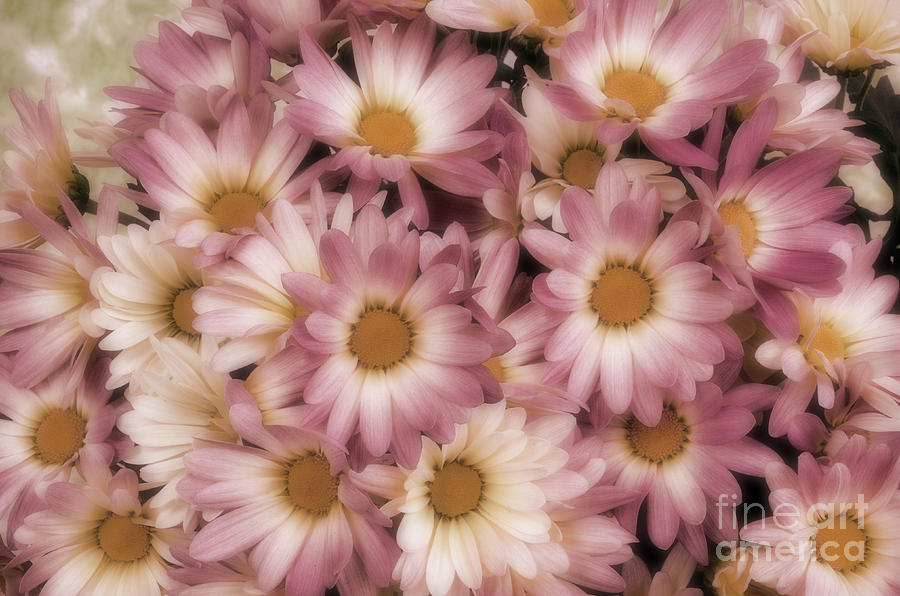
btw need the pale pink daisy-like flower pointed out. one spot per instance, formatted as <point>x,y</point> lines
<point>231,577</point>
<point>46,303</point>
<point>547,20</point>
<point>147,292</point>
<point>521,370</point>
<point>182,401</point>
<point>643,317</point>
<point>805,118</point>
<point>410,114</point>
<point>569,154</point>
<point>246,300</point>
<point>671,580</point>
<point>731,576</point>
<point>773,227</point>
<point>198,75</point>
<point>843,35</point>
<point>47,431</point>
<point>291,501</point>
<point>278,24</point>
<point>830,340</point>
<point>97,540</point>
<point>206,190</point>
<point>402,356</point>
<point>590,539</point>
<point>37,168</point>
<point>631,70</point>
<point>833,529</point>
<point>472,507</point>
<point>682,463</point>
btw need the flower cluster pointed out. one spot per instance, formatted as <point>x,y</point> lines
<point>461,298</point>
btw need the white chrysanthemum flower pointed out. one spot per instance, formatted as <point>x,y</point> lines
<point>147,294</point>
<point>472,506</point>
<point>185,401</point>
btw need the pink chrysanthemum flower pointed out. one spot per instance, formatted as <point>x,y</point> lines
<point>805,118</point>
<point>629,70</point>
<point>278,23</point>
<point>197,75</point>
<point>671,580</point>
<point>683,463</point>
<point>46,303</point>
<point>843,35</point>
<point>585,539</point>
<point>246,301</point>
<point>194,398</point>
<point>231,577</point>
<point>410,114</point>
<point>292,501</point>
<point>472,507</point>
<point>547,20</point>
<point>521,369</point>
<point>37,169</point>
<point>833,529</point>
<point>47,431</point>
<point>402,355</point>
<point>831,340</point>
<point>97,540</point>
<point>774,227</point>
<point>643,317</point>
<point>568,153</point>
<point>147,292</point>
<point>208,190</point>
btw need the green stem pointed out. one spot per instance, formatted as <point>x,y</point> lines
<point>865,88</point>
<point>839,104</point>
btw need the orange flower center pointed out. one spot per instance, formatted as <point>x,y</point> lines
<point>496,367</point>
<point>842,544</point>
<point>59,435</point>
<point>236,210</point>
<point>827,341</point>
<point>661,442</point>
<point>581,167</point>
<point>388,133</point>
<point>182,311</point>
<point>380,339</point>
<point>456,489</point>
<point>123,540</point>
<point>639,89</point>
<point>621,296</point>
<point>552,13</point>
<point>310,484</point>
<point>735,213</point>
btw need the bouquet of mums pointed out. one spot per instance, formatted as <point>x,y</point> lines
<point>461,298</point>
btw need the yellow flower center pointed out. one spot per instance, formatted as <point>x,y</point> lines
<point>496,367</point>
<point>825,340</point>
<point>236,210</point>
<point>388,133</point>
<point>841,543</point>
<point>639,89</point>
<point>621,296</point>
<point>661,442</point>
<point>59,435</point>
<point>456,489</point>
<point>123,540</point>
<point>734,213</point>
<point>310,484</point>
<point>552,13</point>
<point>380,339</point>
<point>182,311</point>
<point>581,167</point>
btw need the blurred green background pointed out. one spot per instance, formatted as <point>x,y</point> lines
<point>83,45</point>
